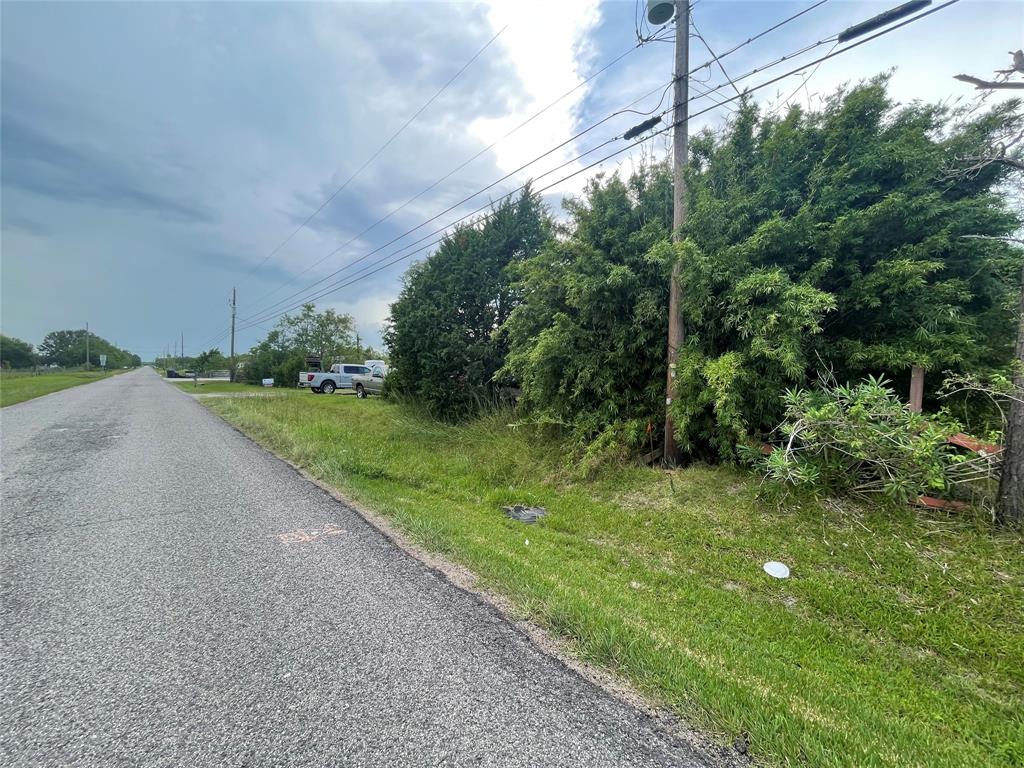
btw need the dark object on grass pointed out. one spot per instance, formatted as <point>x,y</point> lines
<point>525,514</point>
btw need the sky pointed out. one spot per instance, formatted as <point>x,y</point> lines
<point>155,155</point>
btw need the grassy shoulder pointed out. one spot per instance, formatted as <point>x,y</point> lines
<point>215,387</point>
<point>18,386</point>
<point>898,641</point>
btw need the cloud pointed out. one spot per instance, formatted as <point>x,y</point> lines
<point>549,60</point>
<point>39,163</point>
<point>155,153</point>
<point>24,224</point>
<point>369,311</point>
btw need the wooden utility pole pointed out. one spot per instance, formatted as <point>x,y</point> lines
<point>680,115</point>
<point>232,377</point>
<point>916,388</point>
<point>87,345</point>
<point>1011,482</point>
<point>1010,500</point>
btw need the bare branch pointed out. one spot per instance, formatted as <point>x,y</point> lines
<point>980,84</point>
<point>1001,238</point>
<point>981,161</point>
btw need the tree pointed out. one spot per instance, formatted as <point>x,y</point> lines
<point>1005,149</point>
<point>67,349</point>
<point>328,335</point>
<point>15,353</point>
<point>1010,505</point>
<point>586,339</point>
<point>282,354</point>
<point>832,240</point>
<point>64,348</point>
<point>444,349</point>
<point>210,360</point>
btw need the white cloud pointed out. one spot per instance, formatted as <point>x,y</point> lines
<point>549,45</point>
<point>369,311</point>
<point>256,111</point>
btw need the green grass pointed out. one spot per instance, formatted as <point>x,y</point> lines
<point>18,386</point>
<point>898,641</point>
<point>210,387</point>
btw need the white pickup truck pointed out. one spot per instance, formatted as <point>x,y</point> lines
<point>339,377</point>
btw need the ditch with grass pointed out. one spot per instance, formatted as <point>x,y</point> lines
<point>897,641</point>
<point>18,386</point>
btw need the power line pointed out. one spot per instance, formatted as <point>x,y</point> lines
<point>770,29</point>
<point>718,60</point>
<point>803,83</point>
<point>377,154</point>
<point>224,334</point>
<point>457,204</point>
<point>450,208</point>
<point>596,74</point>
<point>531,162</point>
<point>458,168</point>
<point>363,274</point>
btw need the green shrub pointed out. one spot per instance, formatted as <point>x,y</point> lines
<point>587,342</point>
<point>860,440</point>
<point>441,331</point>
<point>832,238</point>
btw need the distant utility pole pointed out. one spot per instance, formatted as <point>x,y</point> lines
<point>233,297</point>
<point>658,13</point>
<point>182,346</point>
<point>87,345</point>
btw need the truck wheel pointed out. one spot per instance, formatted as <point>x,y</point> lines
<point>360,392</point>
<point>327,387</point>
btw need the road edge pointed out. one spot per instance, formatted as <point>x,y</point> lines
<point>715,752</point>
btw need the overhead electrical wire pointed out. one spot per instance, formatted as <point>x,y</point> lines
<point>362,274</point>
<point>700,94</point>
<point>270,312</point>
<point>608,65</point>
<point>459,167</point>
<point>380,265</point>
<point>532,117</point>
<point>717,59</point>
<point>466,199</point>
<point>443,178</point>
<point>377,153</point>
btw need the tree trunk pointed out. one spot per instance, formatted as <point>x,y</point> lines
<point>1011,485</point>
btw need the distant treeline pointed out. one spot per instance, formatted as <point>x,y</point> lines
<point>66,349</point>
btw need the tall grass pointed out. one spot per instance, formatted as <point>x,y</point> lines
<point>898,640</point>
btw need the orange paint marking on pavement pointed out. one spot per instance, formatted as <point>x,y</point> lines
<point>303,536</point>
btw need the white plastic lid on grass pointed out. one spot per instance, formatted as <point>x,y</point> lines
<point>776,569</point>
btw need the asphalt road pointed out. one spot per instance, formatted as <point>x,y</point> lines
<point>153,616</point>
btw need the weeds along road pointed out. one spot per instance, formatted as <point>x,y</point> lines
<point>152,615</point>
